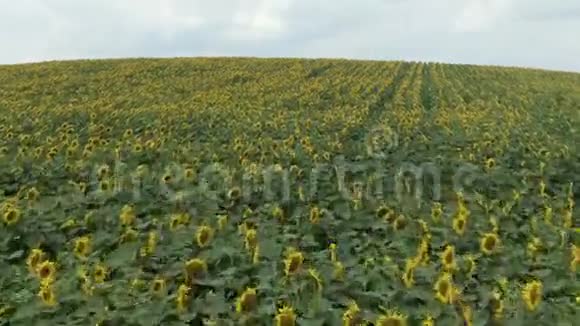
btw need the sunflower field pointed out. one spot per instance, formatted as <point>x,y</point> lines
<point>241,191</point>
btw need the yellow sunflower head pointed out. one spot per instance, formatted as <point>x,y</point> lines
<point>247,301</point>
<point>46,271</point>
<point>436,211</point>
<point>285,316</point>
<point>222,222</point>
<point>35,257</point>
<point>127,216</point>
<point>400,222</point>
<point>195,269</point>
<point>11,216</point>
<point>251,239</point>
<point>204,235</point>
<point>408,276</point>
<point>314,216</point>
<point>575,253</point>
<point>47,295</point>
<point>392,319</point>
<point>490,163</point>
<point>159,286</point>
<point>459,224</point>
<point>182,297</point>
<point>82,247</point>
<point>293,262</point>
<point>100,273</point>
<point>470,264</point>
<point>351,316</point>
<point>315,278</point>
<point>448,258</point>
<point>489,243</point>
<point>532,294</point>
<point>235,193</point>
<point>496,305</point>
<point>428,321</point>
<point>444,288</point>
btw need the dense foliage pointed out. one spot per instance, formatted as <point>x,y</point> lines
<point>284,191</point>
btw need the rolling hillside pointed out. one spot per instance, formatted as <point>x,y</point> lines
<point>238,190</point>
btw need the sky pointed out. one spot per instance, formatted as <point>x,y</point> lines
<point>526,33</point>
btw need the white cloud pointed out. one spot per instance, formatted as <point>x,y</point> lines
<point>501,32</point>
<point>265,20</point>
<point>479,15</point>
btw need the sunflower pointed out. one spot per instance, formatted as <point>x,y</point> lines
<point>459,225</point>
<point>436,212</point>
<point>548,215</point>
<point>383,212</point>
<point>189,174</point>
<point>535,246</point>
<point>444,288</point>
<point>400,222</point>
<point>32,194</point>
<point>425,231</point>
<point>204,235</point>
<point>532,294</point>
<point>338,271</point>
<point>567,219</point>
<point>423,252</point>
<point>251,239</point>
<point>137,148</point>
<point>11,216</point>
<point>159,287</point>
<point>129,235</point>
<point>247,301</point>
<point>314,216</point>
<point>489,163</point>
<point>278,213</point>
<point>428,321</point>
<point>470,264</point>
<point>82,247</point>
<point>467,315</point>
<point>489,243</point>
<point>104,186</point>
<point>542,188</point>
<point>285,316</point>
<point>175,222</point>
<point>351,317</point>
<point>222,222</point>
<point>256,255</point>
<point>494,224</point>
<point>408,277</point>
<point>448,258</point>
<point>102,172</point>
<point>392,319</point>
<point>575,253</point>
<point>316,279</point>
<point>195,268</point>
<point>151,243</point>
<point>127,216</point>
<point>496,305</point>
<point>35,257</point>
<point>100,274</point>
<point>47,295</point>
<point>182,297</point>
<point>332,250</point>
<point>293,262</point>
<point>46,272</point>
<point>234,194</point>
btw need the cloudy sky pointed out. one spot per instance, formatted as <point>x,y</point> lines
<point>531,33</point>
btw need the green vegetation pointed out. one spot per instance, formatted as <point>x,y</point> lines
<point>286,191</point>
